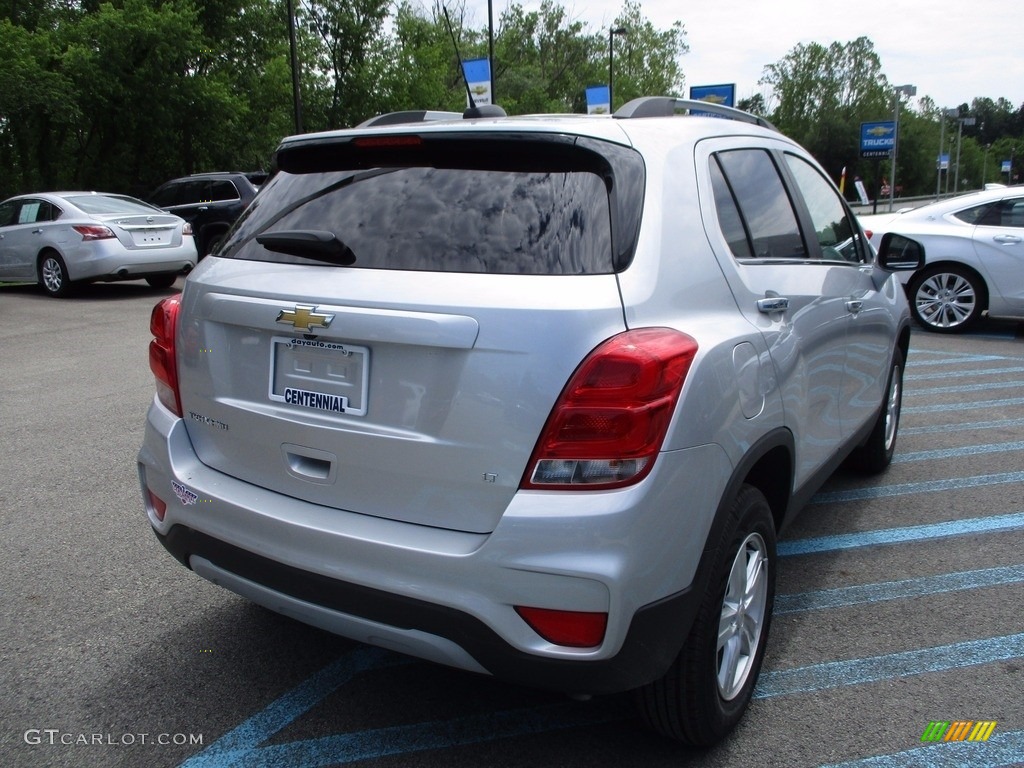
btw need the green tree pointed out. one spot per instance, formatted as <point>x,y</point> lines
<point>823,94</point>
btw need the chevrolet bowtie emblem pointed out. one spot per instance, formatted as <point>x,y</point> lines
<point>304,318</point>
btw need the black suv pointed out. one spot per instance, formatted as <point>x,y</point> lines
<point>210,201</point>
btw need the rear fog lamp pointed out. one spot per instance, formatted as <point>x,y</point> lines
<point>158,505</point>
<point>572,629</point>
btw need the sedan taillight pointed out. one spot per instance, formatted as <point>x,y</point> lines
<point>608,424</point>
<point>94,231</point>
<point>163,323</point>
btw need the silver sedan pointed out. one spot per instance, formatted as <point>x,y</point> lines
<point>974,257</point>
<point>60,238</point>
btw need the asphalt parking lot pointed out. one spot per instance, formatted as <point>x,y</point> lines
<point>899,597</point>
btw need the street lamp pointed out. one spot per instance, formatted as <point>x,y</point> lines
<point>907,90</point>
<point>612,32</point>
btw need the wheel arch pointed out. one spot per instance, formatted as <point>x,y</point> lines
<point>949,264</point>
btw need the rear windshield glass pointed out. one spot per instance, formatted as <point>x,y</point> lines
<point>110,204</point>
<point>489,209</point>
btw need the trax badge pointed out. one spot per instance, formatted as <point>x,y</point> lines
<point>304,318</point>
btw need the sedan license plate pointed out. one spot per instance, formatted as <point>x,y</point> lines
<point>319,375</point>
<point>151,237</point>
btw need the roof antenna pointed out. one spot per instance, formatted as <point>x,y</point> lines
<point>485,110</point>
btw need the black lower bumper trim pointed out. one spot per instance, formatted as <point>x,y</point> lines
<point>655,636</point>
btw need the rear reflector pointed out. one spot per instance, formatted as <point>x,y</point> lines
<point>573,629</point>
<point>159,505</point>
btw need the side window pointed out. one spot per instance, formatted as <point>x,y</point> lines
<point>222,190</point>
<point>31,211</point>
<point>167,196</point>
<point>977,214</point>
<point>764,207</point>
<point>729,218</point>
<point>836,232</point>
<point>1005,213</point>
<point>7,211</point>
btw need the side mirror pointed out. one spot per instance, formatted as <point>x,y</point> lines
<point>897,253</point>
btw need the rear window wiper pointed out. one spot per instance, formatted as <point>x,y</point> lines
<point>308,243</point>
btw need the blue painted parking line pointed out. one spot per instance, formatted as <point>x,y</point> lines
<point>970,426</point>
<point>972,372</point>
<point>972,406</point>
<point>928,486</point>
<point>843,597</point>
<point>958,453</point>
<point>898,535</point>
<point>946,357</point>
<point>963,389</point>
<point>836,674</point>
<point>1003,749</point>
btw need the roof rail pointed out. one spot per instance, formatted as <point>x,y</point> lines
<point>667,106</point>
<point>409,116</point>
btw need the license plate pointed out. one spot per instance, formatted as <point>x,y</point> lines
<point>150,237</point>
<point>319,375</point>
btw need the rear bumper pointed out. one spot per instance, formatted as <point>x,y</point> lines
<point>438,633</point>
<point>448,596</point>
<point>109,260</point>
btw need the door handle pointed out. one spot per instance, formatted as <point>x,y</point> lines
<point>1007,239</point>
<point>771,304</point>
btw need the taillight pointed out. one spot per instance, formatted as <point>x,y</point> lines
<point>94,231</point>
<point>573,629</point>
<point>608,424</point>
<point>868,234</point>
<point>163,323</point>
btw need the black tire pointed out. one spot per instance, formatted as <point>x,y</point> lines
<point>947,298</point>
<point>702,695</point>
<point>53,275</point>
<point>876,454</point>
<point>161,281</point>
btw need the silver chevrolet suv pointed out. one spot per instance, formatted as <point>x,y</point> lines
<point>529,396</point>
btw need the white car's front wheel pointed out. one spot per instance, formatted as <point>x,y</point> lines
<point>947,299</point>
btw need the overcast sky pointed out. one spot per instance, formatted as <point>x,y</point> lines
<point>952,50</point>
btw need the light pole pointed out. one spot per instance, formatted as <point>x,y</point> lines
<point>295,68</point>
<point>908,90</point>
<point>959,138</point>
<point>612,32</point>
<point>943,114</point>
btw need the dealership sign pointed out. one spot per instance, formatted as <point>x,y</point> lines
<point>877,139</point>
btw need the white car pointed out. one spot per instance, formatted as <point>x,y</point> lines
<point>60,238</point>
<point>975,257</point>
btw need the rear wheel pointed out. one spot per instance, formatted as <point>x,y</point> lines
<point>53,274</point>
<point>947,298</point>
<point>706,690</point>
<point>161,281</point>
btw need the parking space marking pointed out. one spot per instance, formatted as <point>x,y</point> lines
<point>973,372</point>
<point>956,453</point>
<point>948,356</point>
<point>965,388</point>
<point>931,429</point>
<point>928,486</point>
<point>968,406</point>
<point>872,669</point>
<point>900,535</point>
<point>1003,749</point>
<point>843,597</point>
